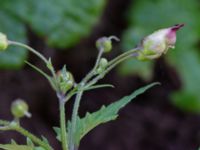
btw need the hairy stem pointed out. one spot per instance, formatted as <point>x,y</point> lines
<point>63,121</point>
<point>74,120</point>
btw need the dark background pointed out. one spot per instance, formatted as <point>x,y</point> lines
<point>148,123</point>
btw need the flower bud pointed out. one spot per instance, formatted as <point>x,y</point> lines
<point>66,80</point>
<point>99,70</point>
<point>158,43</point>
<point>105,43</point>
<point>103,63</point>
<point>19,109</point>
<point>3,42</point>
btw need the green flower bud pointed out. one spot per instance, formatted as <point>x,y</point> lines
<point>3,42</point>
<point>156,44</point>
<point>99,70</point>
<point>103,63</point>
<point>66,80</point>
<point>105,43</point>
<point>19,109</point>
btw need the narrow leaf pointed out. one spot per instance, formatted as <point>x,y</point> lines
<point>99,86</point>
<point>38,70</point>
<point>43,73</point>
<point>15,147</point>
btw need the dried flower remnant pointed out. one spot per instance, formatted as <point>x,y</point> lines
<point>158,43</point>
<point>105,43</point>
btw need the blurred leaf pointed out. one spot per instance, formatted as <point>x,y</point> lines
<point>144,18</point>
<point>62,23</point>
<point>104,114</point>
<point>39,148</point>
<point>132,66</point>
<point>15,147</point>
<point>13,57</point>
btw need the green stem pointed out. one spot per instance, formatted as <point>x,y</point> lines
<point>112,64</point>
<point>92,72</point>
<point>30,49</point>
<point>123,55</point>
<point>33,138</point>
<point>4,123</point>
<point>63,122</point>
<point>37,54</point>
<point>26,133</point>
<point>74,120</point>
<point>70,94</point>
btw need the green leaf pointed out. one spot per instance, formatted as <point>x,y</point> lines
<point>143,19</point>
<point>45,140</point>
<point>29,142</point>
<point>62,23</point>
<point>58,133</point>
<point>13,142</point>
<point>99,86</point>
<point>104,114</point>
<point>39,148</point>
<point>49,78</point>
<point>13,57</point>
<point>15,147</point>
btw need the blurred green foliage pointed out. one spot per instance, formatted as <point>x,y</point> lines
<point>144,17</point>
<point>62,23</point>
<point>15,29</point>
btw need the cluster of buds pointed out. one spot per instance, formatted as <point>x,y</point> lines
<point>65,79</point>
<point>19,109</point>
<point>156,44</point>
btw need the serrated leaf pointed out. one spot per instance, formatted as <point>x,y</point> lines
<point>13,142</point>
<point>185,57</point>
<point>104,114</point>
<point>13,57</point>
<point>72,19</point>
<point>58,133</point>
<point>15,147</point>
<point>29,142</point>
<point>45,140</point>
